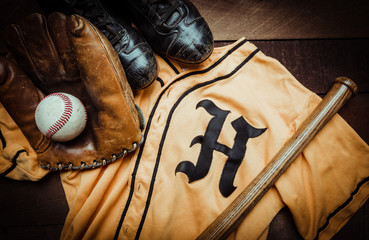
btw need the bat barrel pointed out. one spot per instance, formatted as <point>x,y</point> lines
<point>342,90</point>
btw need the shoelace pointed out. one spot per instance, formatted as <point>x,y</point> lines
<point>163,8</point>
<point>95,14</point>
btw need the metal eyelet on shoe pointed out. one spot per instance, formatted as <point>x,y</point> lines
<point>70,166</point>
<point>104,162</point>
<point>94,164</point>
<point>60,166</point>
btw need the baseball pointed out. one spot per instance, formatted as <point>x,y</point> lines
<point>61,117</point>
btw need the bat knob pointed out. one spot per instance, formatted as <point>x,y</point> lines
<point>350,84</point>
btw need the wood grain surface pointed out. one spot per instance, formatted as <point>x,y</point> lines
<point>285,19</point>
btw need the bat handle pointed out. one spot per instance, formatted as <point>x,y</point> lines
<point>342,90</point>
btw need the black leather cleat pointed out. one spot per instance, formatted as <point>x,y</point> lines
<point>135,54</point>
<point>174,28</point>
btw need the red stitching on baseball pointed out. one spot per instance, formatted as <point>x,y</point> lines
<point>65,116</point>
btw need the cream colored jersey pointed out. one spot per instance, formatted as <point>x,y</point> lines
<point>210,129</point>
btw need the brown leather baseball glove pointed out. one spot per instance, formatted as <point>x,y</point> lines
<point>69,54</point>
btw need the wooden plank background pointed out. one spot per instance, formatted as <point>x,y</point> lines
<point>316,40</point>
<point>285,19</point>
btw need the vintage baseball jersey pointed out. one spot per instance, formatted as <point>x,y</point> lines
<point>210,129</point>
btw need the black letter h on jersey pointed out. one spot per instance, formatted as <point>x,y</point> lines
<point>210,143</point>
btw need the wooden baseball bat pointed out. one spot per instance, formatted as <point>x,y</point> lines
<point>342,90</point>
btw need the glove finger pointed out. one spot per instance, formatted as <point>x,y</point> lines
<point>104,79</point>
<point>20,98</point>
<point>58,29</point>
<point>34,50</point>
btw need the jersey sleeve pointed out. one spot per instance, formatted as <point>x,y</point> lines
<point>328,182</point>
<point>18,160</point>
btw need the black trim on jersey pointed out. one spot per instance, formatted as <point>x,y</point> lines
<point>14,161</point>
<point>161,82</point>
<point>3,142</point>
<point>220,60</point>
<point>347,202</point>
<point>169,63</point>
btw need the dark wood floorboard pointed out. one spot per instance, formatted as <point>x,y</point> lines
<point>32,210</point>
<point>31,232</point>
<point>286,19</point>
